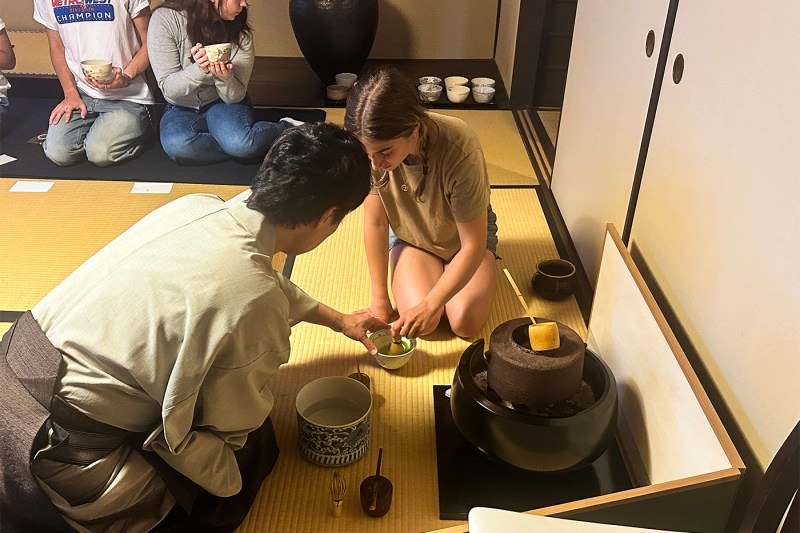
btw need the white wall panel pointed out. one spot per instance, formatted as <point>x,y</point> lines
<point>605,104</point>
<point>718,218</point>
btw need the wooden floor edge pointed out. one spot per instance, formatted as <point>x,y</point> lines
<point>623,497</point>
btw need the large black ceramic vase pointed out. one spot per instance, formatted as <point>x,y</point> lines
<point>334,35</point>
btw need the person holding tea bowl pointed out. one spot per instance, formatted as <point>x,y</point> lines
<point>102,117</point>
<point>209,118</point>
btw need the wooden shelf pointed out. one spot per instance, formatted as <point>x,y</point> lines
<point>289,81</point>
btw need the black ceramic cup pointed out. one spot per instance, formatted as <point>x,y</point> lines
<point>554,279</point>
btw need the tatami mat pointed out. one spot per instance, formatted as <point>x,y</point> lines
<point>550,119</point>
<point>506,158</point>
<point>295,497</point>
<point>46,235</point>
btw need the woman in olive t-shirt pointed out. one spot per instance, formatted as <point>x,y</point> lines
<point>430,195</point>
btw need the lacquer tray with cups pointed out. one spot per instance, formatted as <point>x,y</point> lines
<point>457,90</point>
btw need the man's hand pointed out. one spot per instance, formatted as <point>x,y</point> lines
<point>66,107</point>
<point>358,324</point>
<point>116,81</point>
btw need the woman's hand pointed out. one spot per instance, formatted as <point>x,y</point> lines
<point>200,57</point>
<point>220,70</point>
<point>66,107</point>
<point>358,324</point>
<point>421,318</point>
<point>381,309</point>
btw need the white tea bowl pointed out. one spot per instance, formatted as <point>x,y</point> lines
<point>391,355</point>
<point>346,79</point>
<point>483,94</point>
<point>452,81</point>
<point>457,93</point>
<point>482,82</point>
<point>97,69</point>
<point>218,52</point>
<point>430,79</point>
<point>428,92</point>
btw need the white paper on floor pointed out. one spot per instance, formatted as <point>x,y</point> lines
<point>31,186</point>
<point>151,188</point>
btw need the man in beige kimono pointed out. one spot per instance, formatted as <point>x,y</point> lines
<point>134,395</point>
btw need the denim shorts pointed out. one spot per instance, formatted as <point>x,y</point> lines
<point>491,233</point>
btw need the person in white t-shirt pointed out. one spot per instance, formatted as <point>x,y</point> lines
<point>103,121</point>
<point>7,61</point>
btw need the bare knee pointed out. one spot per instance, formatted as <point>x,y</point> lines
<point>466,325</point>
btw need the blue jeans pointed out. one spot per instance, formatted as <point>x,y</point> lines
<point>113,131</point>
<point>216,132</point>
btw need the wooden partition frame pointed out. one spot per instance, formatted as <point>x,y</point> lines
<point>679,454</point>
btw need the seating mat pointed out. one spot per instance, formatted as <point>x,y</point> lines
<point>27,118</point>
<point>47,235</point>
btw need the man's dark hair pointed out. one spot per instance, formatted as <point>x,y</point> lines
<point>308,170</point>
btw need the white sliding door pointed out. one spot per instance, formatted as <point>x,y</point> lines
<point>609,82</point>
<point>718,217</point>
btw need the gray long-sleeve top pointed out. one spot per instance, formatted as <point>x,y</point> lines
<point>181,81</point>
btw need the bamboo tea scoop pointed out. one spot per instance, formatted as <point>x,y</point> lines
<point>376,492</point>
<point>543,335</point>
<point>358,375</point>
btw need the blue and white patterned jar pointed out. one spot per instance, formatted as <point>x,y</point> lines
<point>333,420</point>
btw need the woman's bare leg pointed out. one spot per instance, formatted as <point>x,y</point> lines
<point>469,309</point>
<point>414,273</point>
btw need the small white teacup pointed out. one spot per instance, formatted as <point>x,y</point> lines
<point>452,81</point>
<point>218,52</point>
<point>457,93</point>
<point>346,79</point>
<point>97,69</point>
<point>482,82</point>
<point>429,92</point>
<point>483,94</point>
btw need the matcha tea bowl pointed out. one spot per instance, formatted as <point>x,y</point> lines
<point>392,355</point>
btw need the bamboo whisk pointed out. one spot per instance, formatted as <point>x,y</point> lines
<point>338,490</point>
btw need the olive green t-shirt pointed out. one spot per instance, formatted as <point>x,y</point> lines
<point>456,190</point>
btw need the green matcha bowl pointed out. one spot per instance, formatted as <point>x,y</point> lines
<point>392,356</point>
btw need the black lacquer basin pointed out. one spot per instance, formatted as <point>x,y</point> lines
<point>529,441</point>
